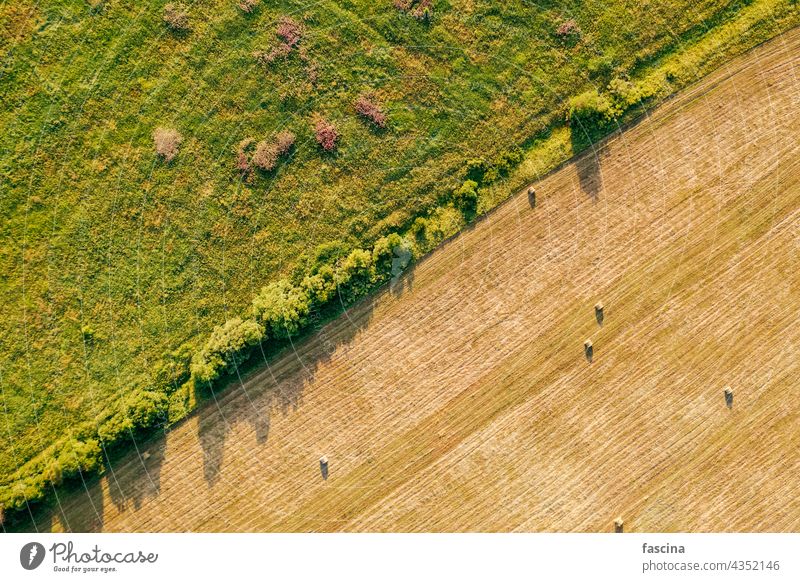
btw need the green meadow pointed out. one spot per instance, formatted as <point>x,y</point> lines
<point>114,260</point>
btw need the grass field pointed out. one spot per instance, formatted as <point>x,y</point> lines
<point>461,399</point>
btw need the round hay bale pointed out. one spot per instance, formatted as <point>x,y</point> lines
<point>598,312</point>
<point>618,525</point>
<point>532,196</point>
<point>728,396</point>
<point>588,349</point>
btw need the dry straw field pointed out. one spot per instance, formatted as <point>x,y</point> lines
<point>461,399</point>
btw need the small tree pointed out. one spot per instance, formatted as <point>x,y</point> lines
<point>591,111</point>
<point>466,197</point>
<point>176,17</point>
<point>229,345</point>
<point>282,309</point>
<point>167,142</point>
<point>326,134</point>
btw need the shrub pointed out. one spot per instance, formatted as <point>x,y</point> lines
<point>248,6</point>
<point>173,370</point>
<point>243,156</point>
<point>290,31</point>
<point>270,56</point>
<point>266,153</point>
<point>282,309</point>
<point>590,110</point>
<point>167,142</point>
<point>475,170</point>
<point>384,254</point>
<point>228,346</point>
<point>321,286</point>
<point>74,458</point>
<point>568,30</point>
<point>140,411</point>
<point>326,134</point>
<point>176,17</point>
<point>265,156</point>
<point>284,141</point>
<point>466,197</point>
<point>354,277</point>
<point>89,334</point>
<point>422,10</point>
<point>367,108</point>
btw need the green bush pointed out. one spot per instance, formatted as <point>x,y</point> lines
<point>173,370</point>
<point>142,410</point>
<point>324,255</point>
<point>355,276</point>
<point>591,111</point>
<point>384,253</point>
<point>76,457</point>
<point>475,170</point>
<point>228,346</point>
<point>59,463</point>
<point>466,197</point>
<point>282,309</point>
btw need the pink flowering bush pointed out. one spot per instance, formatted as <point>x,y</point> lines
<point>568,30</point>
<point>366,107</point>
<point>422,10</point>
<point>290,31</point>
<point>326,134</point>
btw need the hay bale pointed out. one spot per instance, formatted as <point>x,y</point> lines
<point>532,196</point>
<point>728,396</point>
<point>598,313</point>
<point>588,349</point>
<point>323,467</point>
<point>618,525</point>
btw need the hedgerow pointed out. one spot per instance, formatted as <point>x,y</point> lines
<point>70,458</point>
<point>140,411</point>
<point>591,111</point>
<point>281,309</point>
<point>228,346</point>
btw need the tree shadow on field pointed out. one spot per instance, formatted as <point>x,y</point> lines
<point>587,165</point>
<point>132,475</point>
<point>138,475</point>
<point>274,381</point>
<point>81,510</point>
